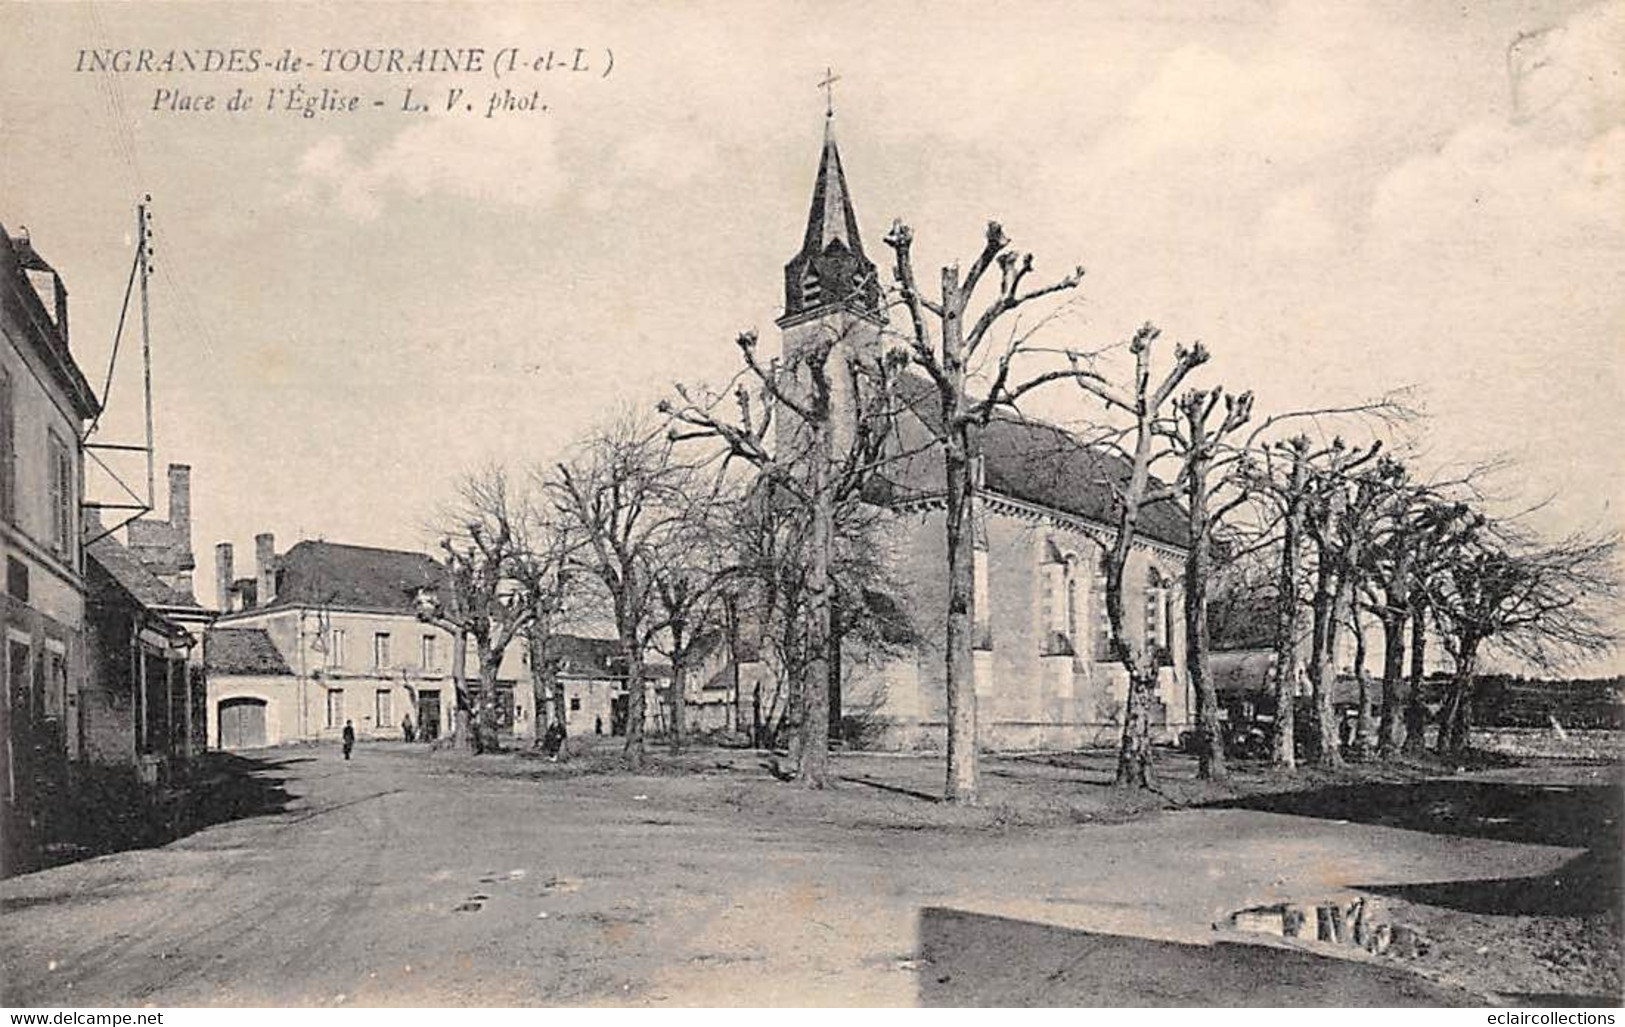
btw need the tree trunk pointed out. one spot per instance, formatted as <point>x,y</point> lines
<point>561,709</point>
<point>835,671</point>
<point>463,718</point>
<point>1364,726</point>
<point>1284,671</point>
<point>1134,756</point>
<point>812,769</point>
<point>541,690</point>
<point>632,653</point>
<point>1210,765</point>
<point>963,772</point>
<point>1390,730</point>
<point>677,692</point>
<point>1329,586</point>
<point>963,783</point>
<point>1455,719</point>
<point>485,733</point>
<point>1416,711</point>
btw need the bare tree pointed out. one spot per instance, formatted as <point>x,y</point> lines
<point>947,361</point>
<point>812,474</point>
<point>480,601</point>
<point>624,496</point>
<point>1340,506</point>
<point>1546,604</point>
<point>688,579</point>
<point>1144,402</point>
<point>543,571</point>
<point>1213,480</point>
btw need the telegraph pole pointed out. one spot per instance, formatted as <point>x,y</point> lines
<point>144,260</point>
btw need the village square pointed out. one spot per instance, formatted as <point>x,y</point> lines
<point>472,600</point>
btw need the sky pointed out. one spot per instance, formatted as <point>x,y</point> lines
<point>350,310</point>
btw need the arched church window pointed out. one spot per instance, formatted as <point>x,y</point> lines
<point>1156,610</point>
<point>1056,574</point>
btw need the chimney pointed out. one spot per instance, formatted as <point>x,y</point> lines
<point>265,568</point>
<point>180,521</point>
<point>180,503</point>
<point>61,309</point>
<point>224,576</point>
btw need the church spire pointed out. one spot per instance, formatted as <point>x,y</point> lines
<point>831,270</point>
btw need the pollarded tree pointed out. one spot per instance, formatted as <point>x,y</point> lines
<point>1213,481</point>
<point>1144,403</point>
<point>1545,604</point>
<point>1341,501</point>
<point>947,358</point>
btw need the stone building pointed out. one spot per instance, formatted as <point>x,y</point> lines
<point>142,705</point>
<point>45,403</point>
<point>323,634</point>
<point>1042,524</point>
<point>329,632</point>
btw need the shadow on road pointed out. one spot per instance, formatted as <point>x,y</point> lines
<point>1572,816</point>
<point>111,812</point>
<point>968,959</point>
<point>1575,816</point>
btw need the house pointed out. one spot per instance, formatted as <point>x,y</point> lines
<point>323,634</point>
<point>142,706</point>
<point>45,403</point>
<point>1043,676</point>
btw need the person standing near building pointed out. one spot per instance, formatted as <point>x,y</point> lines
<point>349,738</point>
<point>406,728</point>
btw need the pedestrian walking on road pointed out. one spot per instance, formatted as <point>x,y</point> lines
<point>406,728</point>
<point>349,738</point>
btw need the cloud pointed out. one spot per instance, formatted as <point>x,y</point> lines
<point>510,160</point>
<point>1543,181</point>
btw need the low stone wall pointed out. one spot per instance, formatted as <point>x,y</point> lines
<point>1549,743</point>
<point>1016,736</point>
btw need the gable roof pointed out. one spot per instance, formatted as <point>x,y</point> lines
<point>597,658</point>
<point>243,651</point>
<point>136,577</point>
<point>48,339</point>
<point>1024,459</point>
<point>352,577</point>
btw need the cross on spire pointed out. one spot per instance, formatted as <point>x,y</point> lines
<point>828,86</point>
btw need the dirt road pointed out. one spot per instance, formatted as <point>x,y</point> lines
<point>398,878</point>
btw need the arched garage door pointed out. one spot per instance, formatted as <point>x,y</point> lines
<point>242,723</point>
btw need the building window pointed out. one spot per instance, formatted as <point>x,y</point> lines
<point>335,647</point>
<point>382,714</point>
<point>8,450</point>
<point>575,703</point>
<point>335,707</point>
<point>430,658</point>
<point>380,650</point>
<point>1156,611</point>
<point>983,604</point>
<point>62,498</point>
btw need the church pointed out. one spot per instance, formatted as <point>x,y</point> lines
<point>1042,522</point>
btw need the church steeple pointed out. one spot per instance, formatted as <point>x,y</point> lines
<point>831,271</point>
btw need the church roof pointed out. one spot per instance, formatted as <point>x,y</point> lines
<point>1024,459</point>
<point>831,269</point>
